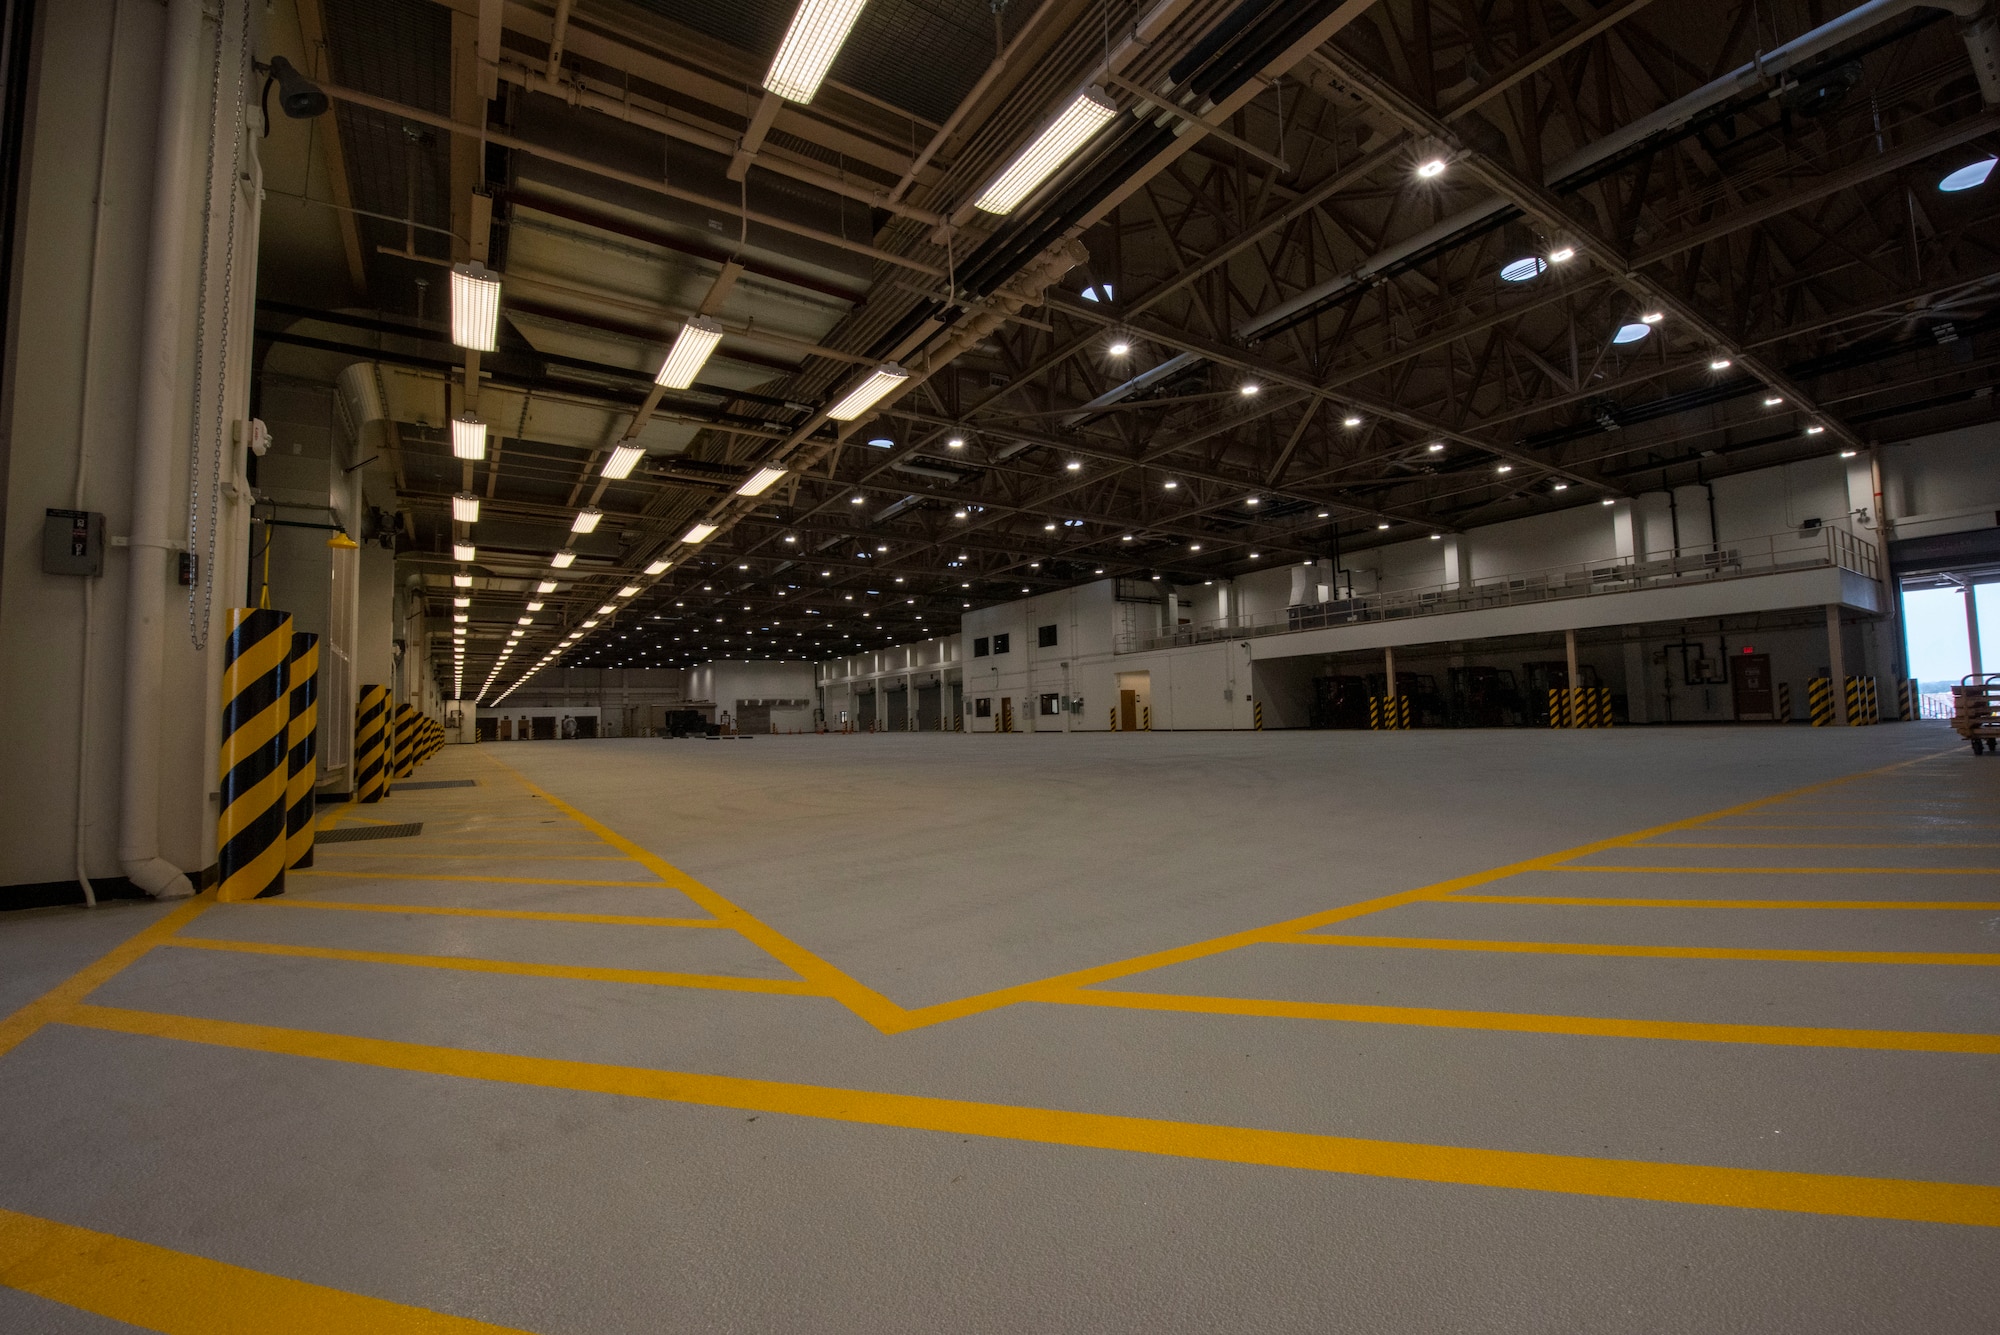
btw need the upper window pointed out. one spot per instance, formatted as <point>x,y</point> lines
<point>979,647</point>
<point>1045,637</point>
<point>1000,644</point>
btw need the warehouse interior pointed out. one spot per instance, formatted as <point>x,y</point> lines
<point>1179,665</point>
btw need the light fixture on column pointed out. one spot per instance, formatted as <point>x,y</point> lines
<point>873,388</point>
<point>624,457</point>
<point>475,307</point>
<point>689,354</point>
<point>818,28</point>
<point>1088,113</point>
<point>468,438</point>
<point>465,507</point>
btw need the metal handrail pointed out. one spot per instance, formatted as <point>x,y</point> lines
<point>1776,553</point>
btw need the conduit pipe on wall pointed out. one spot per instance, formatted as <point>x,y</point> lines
<point>1979,29</point>
<point>160,426</point>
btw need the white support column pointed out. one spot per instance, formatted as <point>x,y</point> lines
<point>1571,697</point>
<point>1836,660</point>
<point>1972,629</point>
<point>1389,667</point>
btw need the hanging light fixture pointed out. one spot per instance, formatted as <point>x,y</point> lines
<point>468,437</point>
<point>624,457</point>
<point>464,551</point>
<point>760,482</point>
<point>818,28</point>
<point>475,307</point>
<point>586,520</point>
<point>690,352</point>
<point>699,533</point>
<point>563,559</point>
<point>658,567</point>
<point>465,507</point>
<point>873,388</point>
<point>1058,143</point>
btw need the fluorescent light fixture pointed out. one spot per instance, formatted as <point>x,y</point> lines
<point>691,349</point>
<point>818,28</point>
<point>1504,468</point>
<point>1074,465</point>
<point>465,507</point>
<point>1520,271</point>
<point>1609,500</point>
<point>1247,390</point>
<point>468,437</point>
<point>624,458</point>
<point>590,625</point>
<point>606,610</point>
<point>872,390</point>
<point>1437,537</point>
<point>1430,168</point>
<point>563,559</point>
<point>461,602</point>
<point>1054,146</point>
<point>699,533</point>
<point>1559,486</point>
<point>546,586</point>
<point>1965,178</point>
<point>461,618</point>
<point>628,591</point>
<point>475,307</point>
<point>1631,333</point>
<point>461,581</point>
<point>524,621</point>
<point>1720,364</point>
<point>760,482</point>
<point>955,443</point>
<point>1848,454</point>
<point>464,551</point>
<point>1380,527</point>
<point>1170,486</point>
<point>658,567</point>
<point>586,521</point>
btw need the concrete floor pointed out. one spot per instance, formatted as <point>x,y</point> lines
<point>988,1033</point>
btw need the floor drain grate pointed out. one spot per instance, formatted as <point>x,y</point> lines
<point>436,783</point>
<point>354,833</point>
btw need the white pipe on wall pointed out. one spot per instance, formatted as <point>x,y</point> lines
<point>161,424</point>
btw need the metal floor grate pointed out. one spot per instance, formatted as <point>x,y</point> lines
<point>354,833</point>
<point>434,783</point>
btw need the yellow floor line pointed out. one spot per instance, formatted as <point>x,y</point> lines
<point>156,1288</point>
<point>529,915</point>
<point>1926,844</point>
<point>1979,904</point>
<point>18,1026</point>
<point>483,880</point>
<point>337,815</point>
<point>344,852</point>
<point>1512,1022</point>
<point>468,964</point>
<point>1991,957</point>
<point>1694,1184</point>
<point>1797,871</point>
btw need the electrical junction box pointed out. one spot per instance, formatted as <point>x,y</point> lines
<point>73,542</point>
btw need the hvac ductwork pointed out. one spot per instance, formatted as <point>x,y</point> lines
<point>1979,29</point>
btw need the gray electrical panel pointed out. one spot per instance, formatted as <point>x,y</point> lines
<point>73,542</point>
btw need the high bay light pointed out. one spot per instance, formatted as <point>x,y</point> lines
<point>691,350</point>
<point>818,28</point>
<point>1058,142</point>
<point>873,388</point>
<point>475,307</point>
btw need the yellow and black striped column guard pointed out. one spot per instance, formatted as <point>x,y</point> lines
<point>1855,716</point>
<point>371,744</point>
<point>1257,710</point>
<point>302,750</point>
<point>1819,701</point>
<point>1871,701</point>
<point>256,711</point>
<point>405,731</point>
<point>1784,710</point>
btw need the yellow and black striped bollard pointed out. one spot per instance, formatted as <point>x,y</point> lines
<point>371,744</point>
<point>1872,702</point>
<point>1258,710</point>
<point>1556,694</point>
<point>256,709</point>
<point>1855,716</point>
<point>406,741</point>
<point>1145,718</point>
<point>302,755</point>
<point>1819,701</point>
<point>1784,702</point>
